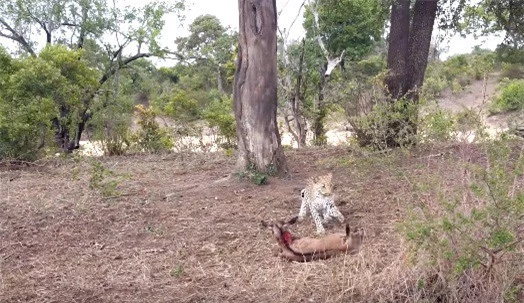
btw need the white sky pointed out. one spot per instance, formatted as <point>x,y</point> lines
<point>227,12</point>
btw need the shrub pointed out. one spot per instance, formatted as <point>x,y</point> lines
<point>151,137</point>
<point>370,67</point>
<point>180,105</point>
<point>482,62</point>
<point>455,67</point>
<point>441,125</point>
<point>255,176</point>
<point>104,180</point>
<point>36,91</point>
<point>219,114</point>
<point>111,123</point>
<point>512,71</point>
<point>511,97</point>
<point>457,72</point>
<point>437,125</point>
<point>388,124</point>
<point>433,87</point>
<point>469,239</point>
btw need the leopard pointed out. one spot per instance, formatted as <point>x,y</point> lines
<point>318,200</point>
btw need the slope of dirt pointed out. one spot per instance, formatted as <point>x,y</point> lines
<point>177,235</point>
<point>477,96</point>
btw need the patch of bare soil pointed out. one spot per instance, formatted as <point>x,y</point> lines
<point>177,235</point>
<point>477,96</point>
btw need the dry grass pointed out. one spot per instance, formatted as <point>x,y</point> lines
<point>176,235</point>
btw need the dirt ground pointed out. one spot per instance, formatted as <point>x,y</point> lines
<point>179,231</point>
<point>177,235</point>
<point>477,96</point>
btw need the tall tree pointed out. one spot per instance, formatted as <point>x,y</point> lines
<point>493,16</point>
<point>209,48</point>
<point>337,30</point>
<point>112,38</point>
<point>409,43</point>
<point>255,88</point>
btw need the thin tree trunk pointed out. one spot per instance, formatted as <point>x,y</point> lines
<point>408,53</point>
<point>82,34</point>
<point>320,111</point>
<point>220,84</point>
<point>398,48</point>
<point>255,88</point>
<point>424,14</point>
<point>297,114</point>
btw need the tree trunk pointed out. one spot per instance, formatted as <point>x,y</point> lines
<point>408,52</point>
<point>320,111</point>
<point>398,48</point>
<point>299,133</point>
<point>220,83</point>
<point>255,88</point>
<point>424,14</point>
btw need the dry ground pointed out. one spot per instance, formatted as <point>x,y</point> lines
<point>177,235</point>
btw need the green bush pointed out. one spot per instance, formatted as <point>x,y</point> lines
<point>433,87</point>
<point>104,180</point>
<point>111,124</point>
<point>455,67</point>
<point>151,137</point>
<point>468,237</point>
<point>220,114</point>
<point>388,124</point>
<point>179,105</point>
<point>511,97</point>
<point>510,54</point>
<point>457,72</point>
<point>512,71</point>
<point>370,66</point>
<point>437,125</point>
<point>36,91</point>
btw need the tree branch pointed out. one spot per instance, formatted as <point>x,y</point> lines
<point>69,24</point>
<point>113,70</point>
<point>43,25</point>
<point>331,62</point>
<point>317,27</point>
<point>15,36</point>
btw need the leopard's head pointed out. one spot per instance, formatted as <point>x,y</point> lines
<point>323,184</point>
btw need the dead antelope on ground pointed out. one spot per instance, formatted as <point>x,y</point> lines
<point>305,249</point>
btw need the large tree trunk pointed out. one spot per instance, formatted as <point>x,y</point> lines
<point>408,52</point>
<point>398,48</point>
<point>424,14</point>
<point>255,88</point>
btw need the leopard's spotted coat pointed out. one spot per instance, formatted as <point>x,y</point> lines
<point>318,200</point>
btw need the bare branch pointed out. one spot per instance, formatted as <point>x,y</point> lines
<point>15,36</point>
<point>317,28</point>
<point>298,14</point>
<point>113,70</point>
<point>69,24</point>
<point>331,62</point>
